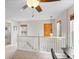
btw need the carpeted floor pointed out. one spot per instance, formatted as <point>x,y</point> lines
<point>13,53</point>
<point>30,55</point>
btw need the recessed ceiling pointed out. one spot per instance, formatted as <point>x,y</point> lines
<point>13,10</point>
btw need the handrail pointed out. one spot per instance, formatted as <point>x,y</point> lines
<point>42,36</point>
<point>42,43</point>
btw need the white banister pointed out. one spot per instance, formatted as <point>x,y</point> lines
<point>40,43</point>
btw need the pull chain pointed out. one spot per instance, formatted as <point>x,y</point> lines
<point>51,19</point>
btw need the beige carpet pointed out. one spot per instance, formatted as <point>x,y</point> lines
<point>13,53</point>
<point>30,55</point>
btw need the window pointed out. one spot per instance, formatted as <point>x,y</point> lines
<point>23,29</point>
<point>47,29</point>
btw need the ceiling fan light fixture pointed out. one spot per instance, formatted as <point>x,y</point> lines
<point>32,3</point>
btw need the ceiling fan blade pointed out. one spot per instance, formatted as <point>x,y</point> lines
<point>48,0</point>
<point>24,7</point>
<point>38,8</point>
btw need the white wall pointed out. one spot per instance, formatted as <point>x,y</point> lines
<point>35,27</point>
<point>14,34</point>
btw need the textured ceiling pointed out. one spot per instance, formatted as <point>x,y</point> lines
<point>13,10</point>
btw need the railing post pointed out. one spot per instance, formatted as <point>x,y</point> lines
<point>38,43</point>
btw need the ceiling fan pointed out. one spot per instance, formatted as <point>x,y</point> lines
<point>35,4</point>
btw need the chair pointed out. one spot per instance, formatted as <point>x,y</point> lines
<point>53,54</point>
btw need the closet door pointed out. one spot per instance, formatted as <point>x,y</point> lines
<point>7,33</point>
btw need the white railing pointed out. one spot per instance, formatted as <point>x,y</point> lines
<point>39,43</point>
